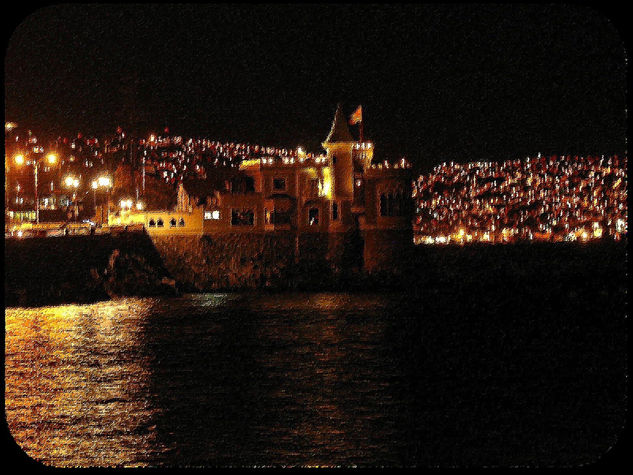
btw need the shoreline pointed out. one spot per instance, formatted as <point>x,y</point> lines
<point>125,267</point>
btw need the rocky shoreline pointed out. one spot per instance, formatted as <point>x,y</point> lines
<point>83,269</point>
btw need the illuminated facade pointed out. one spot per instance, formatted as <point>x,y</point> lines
<point>328,196</point>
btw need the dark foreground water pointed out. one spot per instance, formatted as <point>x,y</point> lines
<point>319,379</point>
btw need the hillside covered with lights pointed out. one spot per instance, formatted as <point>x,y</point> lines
<point>544,198</point>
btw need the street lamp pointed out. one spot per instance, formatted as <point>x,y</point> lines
<point>94,185</point>
<point>102,182</point>
<point>51,158</point>
<point>126,204</point>
<point>72,182</point>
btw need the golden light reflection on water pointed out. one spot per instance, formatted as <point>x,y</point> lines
<point>75,383</point>
<point>213,378</point>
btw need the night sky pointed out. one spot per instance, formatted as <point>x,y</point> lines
<point>436,83</point>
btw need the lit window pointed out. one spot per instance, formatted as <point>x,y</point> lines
<point>215,214</point>
<point>313,216</point>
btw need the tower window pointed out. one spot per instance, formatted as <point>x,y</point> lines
<point>313,216</point>
<point>172,223</point>
<point>334,211</point>
<point>383,205</point>
<point>279,184</point>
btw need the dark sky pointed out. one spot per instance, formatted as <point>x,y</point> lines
<point>436,83</point>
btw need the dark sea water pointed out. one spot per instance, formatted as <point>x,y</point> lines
<point>318,379</point>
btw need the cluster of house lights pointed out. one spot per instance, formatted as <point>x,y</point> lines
<point>544,198</point>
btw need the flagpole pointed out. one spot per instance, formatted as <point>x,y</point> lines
<point>354,121</point>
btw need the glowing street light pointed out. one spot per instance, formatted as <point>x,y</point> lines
<point>103,181</point>
<point>94,186</point>
<point>71,182</point>
<point>20,160</point>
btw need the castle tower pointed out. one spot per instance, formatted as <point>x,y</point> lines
<point>338,145</point>
<point>374,202</point>
<point>343,233</point>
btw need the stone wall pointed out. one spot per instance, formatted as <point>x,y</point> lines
<point>223,261</point>
<point>387,251</point>
<point>55,270</point>
<point>226,260</point>
<point>51,271</point>
<point>46,271</point>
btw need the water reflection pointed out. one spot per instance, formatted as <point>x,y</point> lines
<point>76,383</point>
<point>305,379</point>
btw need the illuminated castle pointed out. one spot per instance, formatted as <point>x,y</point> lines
<point>328,202</point>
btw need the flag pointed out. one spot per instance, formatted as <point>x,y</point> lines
<point>357,116</point>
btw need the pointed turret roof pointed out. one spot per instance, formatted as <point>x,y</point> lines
<point>339,131</point>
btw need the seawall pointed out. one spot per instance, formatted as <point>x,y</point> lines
<point>231,261</point>
<point>80,269</point>
<point>49,271</point>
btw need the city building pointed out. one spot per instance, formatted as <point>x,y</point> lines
<point>338,199</point>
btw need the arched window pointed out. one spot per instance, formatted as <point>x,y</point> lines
<point>181,223</point>
<point>172,223</point>
<point>313,216</point>
<point>383,205</point>
<point>152,223</point>
<point>160,223</point>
